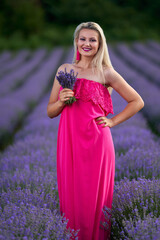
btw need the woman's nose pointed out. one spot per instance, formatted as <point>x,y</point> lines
<point>87,43</point>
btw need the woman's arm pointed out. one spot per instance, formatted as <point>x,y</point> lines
<point>55,105</point>
<point>135,102</point>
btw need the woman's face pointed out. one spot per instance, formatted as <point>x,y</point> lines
<point>88,42</point>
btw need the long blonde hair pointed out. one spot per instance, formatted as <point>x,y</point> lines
<point>101,58</point>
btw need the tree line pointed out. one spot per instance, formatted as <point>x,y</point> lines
<point>32,16</point>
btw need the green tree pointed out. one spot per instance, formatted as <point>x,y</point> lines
<point>22,16</point>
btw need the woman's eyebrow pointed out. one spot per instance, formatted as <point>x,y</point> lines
<point>84,37</point>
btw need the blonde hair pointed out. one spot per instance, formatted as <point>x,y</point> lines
<point>101,58</point>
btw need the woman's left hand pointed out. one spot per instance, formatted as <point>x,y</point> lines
<point>107,122</point>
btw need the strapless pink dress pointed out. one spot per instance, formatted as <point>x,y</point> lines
<point>86,161</point>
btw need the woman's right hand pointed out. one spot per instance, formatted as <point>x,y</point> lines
<point>65,94</point>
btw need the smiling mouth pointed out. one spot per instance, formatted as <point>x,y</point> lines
<point>86,49</point>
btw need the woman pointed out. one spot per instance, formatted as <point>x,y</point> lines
<point>85,151</point>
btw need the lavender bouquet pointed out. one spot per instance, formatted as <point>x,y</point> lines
<point>67,80</point>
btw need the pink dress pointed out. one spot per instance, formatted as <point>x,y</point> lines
<point>86,161</point>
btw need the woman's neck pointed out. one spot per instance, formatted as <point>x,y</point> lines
<point>85,63</point>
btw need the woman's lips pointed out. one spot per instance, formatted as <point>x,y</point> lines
<point>86,49</point>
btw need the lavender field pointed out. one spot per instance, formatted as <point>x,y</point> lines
<point>29,204</point>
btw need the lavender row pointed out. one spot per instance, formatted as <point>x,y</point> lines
<point>15,62</point>
<point>149,92</point>
<point>16,104</point>
<point>4,56</point>
<point>144,66</point>
<point>154,45</point>
<point>16,77</point>
<point>145,51</point>
<point>20,221</point>
<point>136,210</point>
<point>137,149</point>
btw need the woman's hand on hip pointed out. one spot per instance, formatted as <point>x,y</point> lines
<point>107,122</point>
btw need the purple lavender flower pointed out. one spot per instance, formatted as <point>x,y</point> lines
<point>67,80</point>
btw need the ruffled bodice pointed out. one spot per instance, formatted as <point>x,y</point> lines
<point>89,90</point>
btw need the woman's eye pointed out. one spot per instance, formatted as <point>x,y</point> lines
<point>92,40</point>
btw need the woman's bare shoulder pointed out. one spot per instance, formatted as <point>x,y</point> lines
<point>62,67</point>
<point>108,72</point>
<point>108,69</point>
